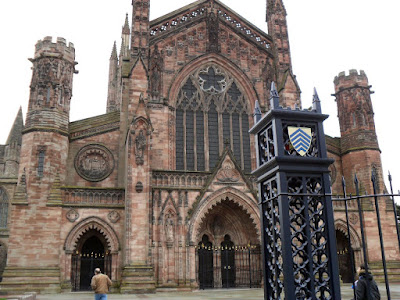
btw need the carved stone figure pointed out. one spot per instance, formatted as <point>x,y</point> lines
<point>169,228</point>
<point>228,173</point>
<point>140,146</point>
<point>72,215</point>
<point>156,68</point>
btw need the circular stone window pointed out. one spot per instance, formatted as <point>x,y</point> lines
<point>94,162</point>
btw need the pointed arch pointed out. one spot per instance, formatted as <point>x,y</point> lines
<point>92,223</point>
<point>248,205</point>
<point>213,59</point>
<point>355,240</point>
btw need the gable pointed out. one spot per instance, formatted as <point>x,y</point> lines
<point>184,19</point>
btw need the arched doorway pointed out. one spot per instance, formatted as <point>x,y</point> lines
<point>91,253</point>
<point>344,258</point>
<point>229,249</point>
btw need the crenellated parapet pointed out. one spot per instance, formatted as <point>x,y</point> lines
<point>355,112</point>
<point>51,85</point>
<point>46,47</point>
<point>354,78</point>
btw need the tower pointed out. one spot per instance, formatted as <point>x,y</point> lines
<point>287,86</point>
<point>359,143</point>
<point>360,155</point>
<point>43,160</point>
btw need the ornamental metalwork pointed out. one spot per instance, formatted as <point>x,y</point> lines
<point>211,108</point>
<point>94,162</point>
<point>266,147</point>
<point>272,236</point>
<point>309,237</point>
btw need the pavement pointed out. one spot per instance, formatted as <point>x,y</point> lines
<point>246,294</point>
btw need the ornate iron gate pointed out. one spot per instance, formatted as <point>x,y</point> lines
<point>83,266</point>
<point>228,266</point>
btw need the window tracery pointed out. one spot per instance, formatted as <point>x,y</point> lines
<point>211,110</point>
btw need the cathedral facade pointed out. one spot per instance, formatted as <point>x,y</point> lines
<point>158,191</point>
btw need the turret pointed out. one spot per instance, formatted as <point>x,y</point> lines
<point>112,81</point>
<point>13,147</point>
<point>359,143</point>
<point>140,27</point>
<point>356,116</point>
<point>42,169</point>
<point>51,85</point>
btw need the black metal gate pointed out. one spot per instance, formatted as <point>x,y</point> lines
<point>83,266</point>
<point>348,201</point>
<point>228,266</point>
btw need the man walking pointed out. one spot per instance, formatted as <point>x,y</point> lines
<point>100,285</point>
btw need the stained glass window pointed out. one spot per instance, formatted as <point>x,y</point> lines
<point>211,113</point>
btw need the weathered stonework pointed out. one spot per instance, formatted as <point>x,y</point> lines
<point>112,187</point>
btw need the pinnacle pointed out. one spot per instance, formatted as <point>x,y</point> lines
<point>16,130</point>
<point>316,102</point>
<point>125,28</point>
<point>114,51</point>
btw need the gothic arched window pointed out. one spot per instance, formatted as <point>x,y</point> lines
<point>211,112</point>
<point>3,208</point>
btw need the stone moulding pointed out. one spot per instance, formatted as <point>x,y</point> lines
<point>173,179</point>
<point>93,197</point>
<point>94,162</point>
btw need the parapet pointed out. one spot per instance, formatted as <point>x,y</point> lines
<point>46,47</point>
<point>343,81</point>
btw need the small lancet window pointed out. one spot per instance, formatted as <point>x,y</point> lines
<point>40,167</point>
<point>60,96</point>
<point>48,95</point>
<point>3,208</point>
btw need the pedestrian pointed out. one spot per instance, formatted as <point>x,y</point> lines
<point>366,287</point>
<point>100,285</point>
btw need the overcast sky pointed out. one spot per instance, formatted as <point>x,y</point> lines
<point>326,37</point>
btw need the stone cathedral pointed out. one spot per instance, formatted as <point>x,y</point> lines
<point>158,190</point>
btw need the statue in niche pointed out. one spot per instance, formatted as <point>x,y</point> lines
<point>140,145</point>
<point>169,228</point>
<point>156,67</point>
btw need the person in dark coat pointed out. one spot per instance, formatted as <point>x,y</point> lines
<point>364,284</point>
